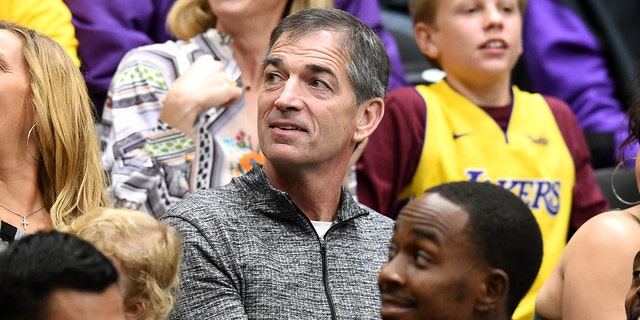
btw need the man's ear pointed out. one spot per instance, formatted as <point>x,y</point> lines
<point>369,114</point>
<point>423,34</point>
<point>496,291</point>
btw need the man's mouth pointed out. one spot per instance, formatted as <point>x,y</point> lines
<point>286,127</point>
<point>390,300</point>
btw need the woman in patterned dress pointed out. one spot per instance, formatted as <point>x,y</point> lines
<point>181,115</point>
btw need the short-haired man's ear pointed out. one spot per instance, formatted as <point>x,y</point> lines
<point>368,116</point>
<point>422,33</point>
<point>496,290</point>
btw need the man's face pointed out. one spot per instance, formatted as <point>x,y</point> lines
<point>632,302</point>
<point>306,107</point>
<point>433,271</point>
<point>68,304</point>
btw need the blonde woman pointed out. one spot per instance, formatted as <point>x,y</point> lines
<point>50,165</point>
<point>181,115</point>
<point>145,252</point>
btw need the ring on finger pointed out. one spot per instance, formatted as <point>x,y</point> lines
<point>231,81</point>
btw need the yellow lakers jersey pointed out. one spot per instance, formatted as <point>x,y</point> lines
<point>531,159</point>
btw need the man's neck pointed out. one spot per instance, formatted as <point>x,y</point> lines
<point>317,194</point>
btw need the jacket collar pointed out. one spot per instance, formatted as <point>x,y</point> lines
<point>272,201</point>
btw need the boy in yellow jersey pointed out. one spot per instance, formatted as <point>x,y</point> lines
<point>474,125</point>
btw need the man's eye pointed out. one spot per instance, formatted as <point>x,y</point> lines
<point>393,249</point>
<point>272,77</point>
<point>422,259</point>
<point>319,83</point>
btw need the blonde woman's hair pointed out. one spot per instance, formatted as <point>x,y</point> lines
<point>147,252</point>
<point>188,18</point>
<point>70,174</point>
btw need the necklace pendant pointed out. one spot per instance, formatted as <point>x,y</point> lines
<point>24,223</point>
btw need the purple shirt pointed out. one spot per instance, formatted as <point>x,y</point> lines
<point>107,29</point>
<point>564,59</point>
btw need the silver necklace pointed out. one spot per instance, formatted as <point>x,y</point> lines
<point>24,218</point>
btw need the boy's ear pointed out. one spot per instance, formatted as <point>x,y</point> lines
<point>496,291</point>
<point>423,34</point>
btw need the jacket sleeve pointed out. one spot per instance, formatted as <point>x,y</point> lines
<point>210,287</point>
<point>136,143</point>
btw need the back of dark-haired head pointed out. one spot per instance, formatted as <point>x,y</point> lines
<point>33,267</point>
<point>368,67</point>
<point>504,230</point>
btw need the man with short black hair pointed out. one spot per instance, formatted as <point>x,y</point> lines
<point>462,250</point>
<point>54,275</point>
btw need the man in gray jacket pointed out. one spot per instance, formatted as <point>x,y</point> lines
<point>287,240</point>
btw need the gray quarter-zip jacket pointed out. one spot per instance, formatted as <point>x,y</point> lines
<point>250,253</point>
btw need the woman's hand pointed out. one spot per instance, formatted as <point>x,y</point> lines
<point>204,85</point>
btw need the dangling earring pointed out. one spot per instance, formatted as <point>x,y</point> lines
<point>613,188</point>
<point>29,138</point>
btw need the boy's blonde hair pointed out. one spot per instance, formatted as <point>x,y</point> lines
<point>425,10</point>
<point>188,18</point>
<point>147,252</point>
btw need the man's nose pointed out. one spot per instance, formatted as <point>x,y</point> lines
<point>290,97</point>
